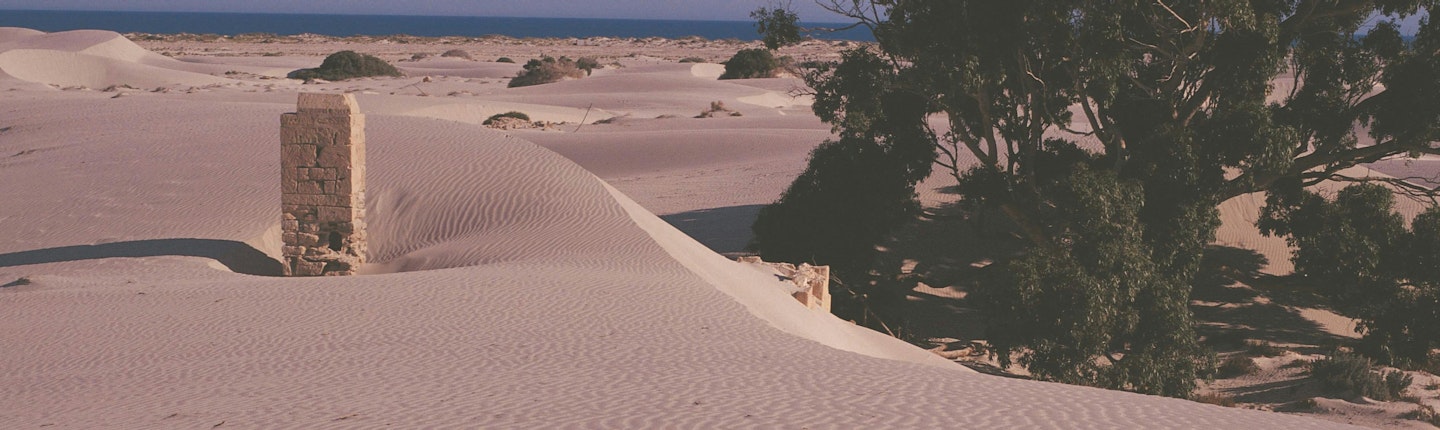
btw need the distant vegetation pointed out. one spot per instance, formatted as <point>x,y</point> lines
<point>511,114</point>
<point>504,60</point>
<point>547,70</point>
<point>692,60</point>
<point>457,53</point>
<point>347,65</point>
<point>752,63</point>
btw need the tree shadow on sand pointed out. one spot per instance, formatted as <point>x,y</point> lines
<point>236,256</point>
<point>1233,301</point>
<point>724,230</point>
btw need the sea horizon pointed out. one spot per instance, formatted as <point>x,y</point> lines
<point>342,25</point>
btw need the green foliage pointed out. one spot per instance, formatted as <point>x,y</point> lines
<point>347,65</point>
<point>1175,98</point>
<point>1238,365</point>
<point>511,114</point>
<point>587,64</point>
<point>1358,254</point>
<point>504,60</point>
<point>692,60</point>
<point>1347,374</point>
<point>777,26</point>
<point>547,70</point>
<point>457,53</point>
<point>1061,308</point>
<point>751,63</point>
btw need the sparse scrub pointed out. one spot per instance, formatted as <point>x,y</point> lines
<point>24,280</point>
<point>1343,373</point>
<point>420,56</point>
<point>505,60</point>
<point>511,114</point>
<point>692,60</point>
<point>1237,365</point>
<point>1424,414</point>
<point>751,63</point>
<point>1259,348</point>
<point>587,64</point>
<point>457,53</point>
<point>717,108</point>
<point>347,65</point>
<point>547,70</point>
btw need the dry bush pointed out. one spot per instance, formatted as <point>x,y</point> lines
<point>545,71</point>
<point>457,53</point>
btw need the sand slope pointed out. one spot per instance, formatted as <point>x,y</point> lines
<point>511,289</point>
<point>91,58</point>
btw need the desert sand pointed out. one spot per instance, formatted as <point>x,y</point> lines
<point>519,279</point>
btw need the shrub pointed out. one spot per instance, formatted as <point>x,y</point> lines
<point>1352,374</point>
<point>420,56</point>
<point>751,63</point>
<point>1423,413</point>
<point>692,60</point>
<point>511,114</point>
<point>547,70</point>
<point>457,53</point>
<point>504,60</point>
<point>1237,366</point>
<point>587,64</point>
<point>346,65</point>
<point>1263,349</point>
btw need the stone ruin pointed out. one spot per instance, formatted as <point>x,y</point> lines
<point>322,186</point>
<point>812,283</point>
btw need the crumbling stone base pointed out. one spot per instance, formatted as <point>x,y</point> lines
<point>812,282</point>
<point>322,186</point>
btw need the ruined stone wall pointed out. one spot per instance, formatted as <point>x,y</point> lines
<point>322,186</point>
<point>812,283</point>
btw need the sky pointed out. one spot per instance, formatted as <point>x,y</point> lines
<point>711,10</point>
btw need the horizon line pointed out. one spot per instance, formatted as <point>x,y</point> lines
<point>398,14</point>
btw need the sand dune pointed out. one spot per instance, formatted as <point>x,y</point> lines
<point>511,287</point>
<point>93,59</point>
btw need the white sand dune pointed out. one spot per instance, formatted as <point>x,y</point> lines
<point>458,67</point>
<point>511,288</point>
<point>93,59</point>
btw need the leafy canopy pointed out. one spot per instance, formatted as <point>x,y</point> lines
<point>1106,133</point>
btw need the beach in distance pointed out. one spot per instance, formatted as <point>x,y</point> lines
<point>572,269</point>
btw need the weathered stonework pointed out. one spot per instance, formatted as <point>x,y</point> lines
<point>322,186</point>
<point>812,283</point>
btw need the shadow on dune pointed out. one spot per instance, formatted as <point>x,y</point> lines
<point>236,256</point>
<point>724,230</point>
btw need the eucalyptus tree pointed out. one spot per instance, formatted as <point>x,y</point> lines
<point>1107,133</point>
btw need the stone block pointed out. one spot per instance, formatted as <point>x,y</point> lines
<point>290,224</point>
<point>339,104</point>
<point>307,239</point>
<point>334,157</point>
<point>310,187</point>
<point>334,214</point>
<point>298,155</point>
<point>309,268</point>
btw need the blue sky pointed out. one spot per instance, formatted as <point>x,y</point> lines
<point>725,10</point>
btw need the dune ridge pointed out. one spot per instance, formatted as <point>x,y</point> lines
<point>513,289</point>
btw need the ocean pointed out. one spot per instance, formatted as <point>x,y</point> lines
<point>379,25</point>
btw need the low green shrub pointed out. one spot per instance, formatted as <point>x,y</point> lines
<point>751,63</point>
<point>347,65</point>
<point>547,70</point>
<point>504,60</point>
<point>1237,365</point>
<point>510,114</point>
<point>1343,373</point>
<point>457,53</point>
<point>692,60</point>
